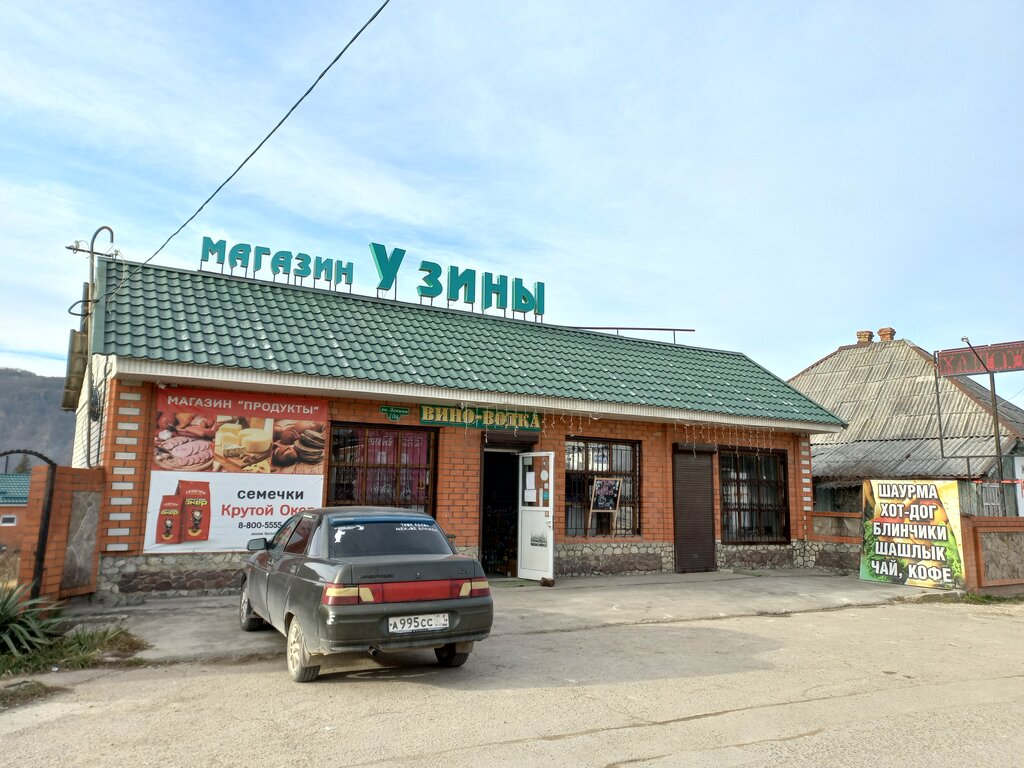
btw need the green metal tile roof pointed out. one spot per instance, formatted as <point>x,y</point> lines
<point>14,488</point>
<point>158,313</point>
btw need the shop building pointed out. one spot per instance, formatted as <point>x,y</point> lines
<point>216,406</point>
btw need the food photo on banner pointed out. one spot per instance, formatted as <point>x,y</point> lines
<point>231,466</point>
<point>912,533</point>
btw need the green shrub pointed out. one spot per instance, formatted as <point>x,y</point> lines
<point>26,624</point>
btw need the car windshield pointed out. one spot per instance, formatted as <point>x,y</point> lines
<point>395,536</point>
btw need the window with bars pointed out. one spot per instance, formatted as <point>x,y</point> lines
<point>755,506</point>
<point>381,466</point>
<point>586,460</point>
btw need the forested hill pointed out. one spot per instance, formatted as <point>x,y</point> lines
<point>30,417</point>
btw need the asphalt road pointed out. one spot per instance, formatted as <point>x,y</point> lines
<point>906,684</point>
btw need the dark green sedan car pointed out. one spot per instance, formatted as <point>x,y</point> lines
<point>351,579</point>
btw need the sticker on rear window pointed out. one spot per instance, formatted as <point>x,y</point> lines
<point>415,527</point>
<point>342,531</point>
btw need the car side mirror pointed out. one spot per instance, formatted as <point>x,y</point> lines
<point>257,545</point>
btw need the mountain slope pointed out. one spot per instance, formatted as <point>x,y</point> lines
<point>30,417</point>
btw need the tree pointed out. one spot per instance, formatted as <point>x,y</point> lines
<point>24,466</point>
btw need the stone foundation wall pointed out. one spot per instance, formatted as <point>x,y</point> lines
<point>829,556</point>
<point>613,557</point>
<point>754,556</point>
<point>130,580</point>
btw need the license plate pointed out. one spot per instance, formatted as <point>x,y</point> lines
<point>424,623</point>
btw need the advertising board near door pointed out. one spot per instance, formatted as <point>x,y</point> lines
<point>912,533</point>
<point>231,466</point>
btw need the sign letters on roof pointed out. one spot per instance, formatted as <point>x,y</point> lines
<point>453,283</point>
<point>997,358</point>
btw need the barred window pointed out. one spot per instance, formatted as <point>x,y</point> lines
<point>381,466</point>
<point>755,507</point>
<point>586,460</point>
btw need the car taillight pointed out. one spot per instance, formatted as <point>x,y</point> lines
<point>404,591</point>
<point>351,594</point>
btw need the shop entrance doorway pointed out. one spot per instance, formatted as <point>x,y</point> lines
<point>693,504</point>
<point>499,518</point>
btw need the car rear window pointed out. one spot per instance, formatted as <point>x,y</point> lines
<point>358,538</point>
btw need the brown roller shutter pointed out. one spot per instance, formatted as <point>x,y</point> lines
<point>693,507</point>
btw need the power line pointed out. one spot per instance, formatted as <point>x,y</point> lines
<point>257,149</point>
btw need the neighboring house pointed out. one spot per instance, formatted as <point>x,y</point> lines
<point>886,392</point>
<point>13,502</point>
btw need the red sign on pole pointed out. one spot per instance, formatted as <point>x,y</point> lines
<point>997,358</point>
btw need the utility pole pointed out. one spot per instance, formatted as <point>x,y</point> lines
<point>995,423</point>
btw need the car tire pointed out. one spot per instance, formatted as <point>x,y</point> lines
<point>247,620</point>
<point>447,657</point>
<point>297,657</point>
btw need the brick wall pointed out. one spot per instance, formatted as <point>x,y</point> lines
<point>128,460</point>
<point>993,551</point>
<point>67,483</point>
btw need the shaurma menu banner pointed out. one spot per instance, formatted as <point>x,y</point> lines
<point>911,533</point>
<point>229,466</point>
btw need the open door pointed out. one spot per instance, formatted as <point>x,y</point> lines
<point>536,516</point>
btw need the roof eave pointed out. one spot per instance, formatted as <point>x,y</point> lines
<point>188,374</point>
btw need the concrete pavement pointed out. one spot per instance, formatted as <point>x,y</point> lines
<point>206,628</point>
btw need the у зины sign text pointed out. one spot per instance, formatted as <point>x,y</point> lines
<point>453,284</point>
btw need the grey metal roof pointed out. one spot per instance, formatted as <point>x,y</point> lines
<point>885,391</point>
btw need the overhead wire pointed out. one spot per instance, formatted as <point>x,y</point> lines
<point>125,278</point>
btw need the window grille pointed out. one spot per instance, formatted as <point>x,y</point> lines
<point>755,505</point>
<point>587,459</point>
<point>381,466</point>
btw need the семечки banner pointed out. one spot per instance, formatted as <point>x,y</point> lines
<point>912,533</point>
<point>230,466</point>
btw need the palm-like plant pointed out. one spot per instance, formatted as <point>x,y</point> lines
<point>26,624</point>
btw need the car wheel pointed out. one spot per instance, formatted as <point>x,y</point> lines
<point>447,657</point>
<point>248,620</point>
<point>298,659</point>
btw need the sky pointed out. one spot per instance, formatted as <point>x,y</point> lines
<point>776,175</point>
